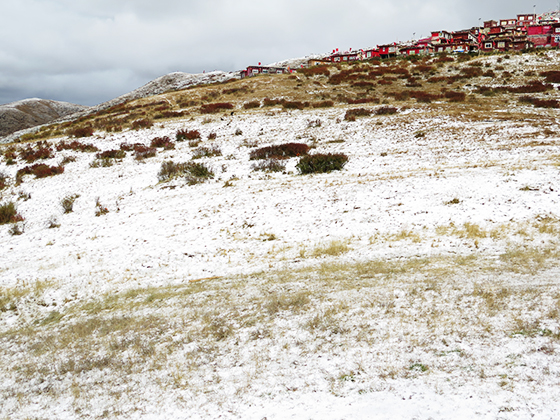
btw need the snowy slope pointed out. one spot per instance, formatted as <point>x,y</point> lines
<point>461,326</point>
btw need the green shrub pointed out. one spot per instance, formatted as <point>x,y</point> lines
<point>271,165</point>
<point>321,163</point>
<point>9,214</point>
<point>192,171</point>
<point>3,180</point>
<point>206,152</point>
<point>67,202</point>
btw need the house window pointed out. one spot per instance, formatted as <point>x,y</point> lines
<point>488,45</point>
<point>501,44</point>
<point>337,59</point>
<point>368,54</point>
<point>279,71</point>
<point>557,30</point>
<point>255,71</point>
<point>345,58</point>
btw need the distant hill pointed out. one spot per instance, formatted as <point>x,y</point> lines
<point>28,113</point>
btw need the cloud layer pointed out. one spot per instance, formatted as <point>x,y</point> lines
<point>90,51</point>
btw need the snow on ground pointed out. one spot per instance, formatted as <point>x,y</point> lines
<point>415,187</point>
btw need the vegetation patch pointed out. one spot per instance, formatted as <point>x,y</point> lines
<point>280,151</point>
<point>162,142</point>
<point>215,107</point>
<point>193,172</point>
<point>40,170</point>
<point>185,134</point>
<point>269,165</point>
<point>206,152</point>
<point>9,214</point>
<point>321,163</point>
<point>76,145</point>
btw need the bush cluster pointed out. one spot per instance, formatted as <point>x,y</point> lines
<point>187,135</point>
<point>315,71</point>
<point>281,151</point>
<point>215,107</point>
<point>81,132</point>
<point>9,214</point>
<point>68,201</point>
<point>206,152</point>
<point>40,170</point>
<point>386,110</point>
<point>455,96</point>
<point>143,152</point>
<point>111,154</point>
<point>321,163</point>
<point>352,114</point>
<point>252,104</point>
<point>3,180</point>
<point>323,104</point>
<point>170,114</point>
<point>269,165</point>
<point>142,123</point>
<point>194,172</point>
<point>164,142</point>
<point>552,76</point>
<point>76,145</point>
<point>31,155</point>
<point>231,91</point>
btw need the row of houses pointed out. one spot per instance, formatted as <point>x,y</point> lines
<point>527,31</point>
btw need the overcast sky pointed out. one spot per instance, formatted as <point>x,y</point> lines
<point>90,51</point>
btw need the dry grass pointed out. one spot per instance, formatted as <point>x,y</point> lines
<point>175,336</point>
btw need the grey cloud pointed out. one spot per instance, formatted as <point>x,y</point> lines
<point>88,51</point>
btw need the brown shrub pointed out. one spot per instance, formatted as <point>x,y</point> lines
<point>187,135</point>
<point>215,107</point>
<point>272,102</point>
<point>362,101</point>
<point>315,71</point>
<point>424,97</point>
<point>164,142</point>
<point>532,87</point>
<point>30,155</point>
<point>143,152</point>
<point>470,72</point>
<point>251,105</point>
<point>142,123</point>
<point>386,110</point>
<point>281,151</point>
<point>322,104</point>
<point>111,154</point>
<point>81,132</point>
<point>551,76</point>
<point>40,170</point>
<point>76,145</point>
<point>542,103</point>
<point>351,114</point>
<point>455,96</point>
<point>294,105</point>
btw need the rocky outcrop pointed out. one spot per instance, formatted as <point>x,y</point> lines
<point>28,113</point>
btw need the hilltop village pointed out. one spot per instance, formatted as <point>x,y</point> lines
<point>526,32</point>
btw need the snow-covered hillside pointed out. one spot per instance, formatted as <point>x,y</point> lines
<point>419,282</point>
